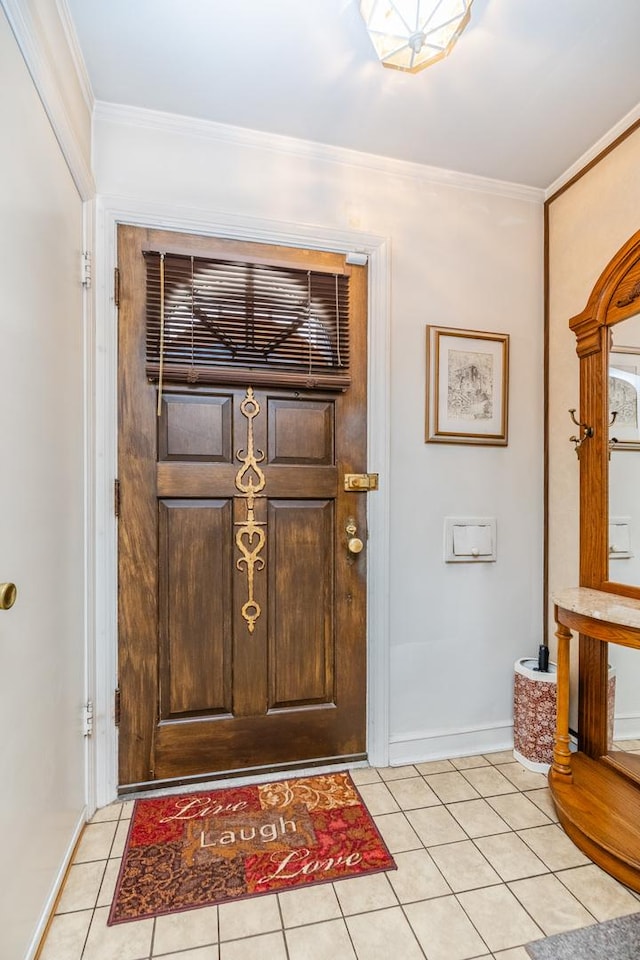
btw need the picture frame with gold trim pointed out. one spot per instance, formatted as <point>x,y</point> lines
<point>467,386</point>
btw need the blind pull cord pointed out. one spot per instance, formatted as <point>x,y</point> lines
<point>161,371</point>
<point>192,376</point>
<point>338,321</point>
<point>309,319</point>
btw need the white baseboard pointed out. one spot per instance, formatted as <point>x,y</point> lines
<point>442,744</point>
<point>55,889</point>
<point>627,727</point>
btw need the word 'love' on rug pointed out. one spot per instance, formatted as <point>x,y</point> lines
<point>198,849</point>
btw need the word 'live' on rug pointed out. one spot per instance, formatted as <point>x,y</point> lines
<point>195,850</point>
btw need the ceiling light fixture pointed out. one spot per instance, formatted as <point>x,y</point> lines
<point>411,34</point>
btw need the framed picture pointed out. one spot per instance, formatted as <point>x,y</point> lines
<point>467,386</point>
<point>624,394</point>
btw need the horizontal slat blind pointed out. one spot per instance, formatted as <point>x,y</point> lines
<point>224,318</point>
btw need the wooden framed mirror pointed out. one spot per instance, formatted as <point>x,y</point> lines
<point>596,790</point>
<point>606,330</point>
<point>608,345</point>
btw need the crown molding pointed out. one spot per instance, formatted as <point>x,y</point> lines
<point>594,153</point>
<point>73,43</point>
<point>33,46</point>
<point>179,125</point>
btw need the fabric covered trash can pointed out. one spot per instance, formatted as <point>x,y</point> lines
<point>534,714</point>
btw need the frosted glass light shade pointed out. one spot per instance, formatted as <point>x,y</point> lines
<point>411,34</point>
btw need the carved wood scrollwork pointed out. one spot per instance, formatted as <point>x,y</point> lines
<point>633,294</point>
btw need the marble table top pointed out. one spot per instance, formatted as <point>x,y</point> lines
<point>608,607</point>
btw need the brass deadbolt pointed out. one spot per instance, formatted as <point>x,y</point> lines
<point>8,594</point>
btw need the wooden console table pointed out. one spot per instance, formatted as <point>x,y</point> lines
<point>597,797</point>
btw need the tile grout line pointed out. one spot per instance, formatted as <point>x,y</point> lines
<point>533,920</point>
<point>538,924</point>
<point>502,883</point>
<point>86,938</point>
<point>282,926</point>
<point>474,927</point>
<point>344,920</point>
<point>446,882</point>
<point>93,911</point>
<point>550,872</point>
<point>580,867</point>
<point>378,910</point>
<point>152,943</point>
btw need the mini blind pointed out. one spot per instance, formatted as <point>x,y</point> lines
<point>219,321</point>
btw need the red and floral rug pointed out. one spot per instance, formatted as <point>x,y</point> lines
<point>198,849</point>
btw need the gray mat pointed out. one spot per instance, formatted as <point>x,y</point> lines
<point>612,940</point>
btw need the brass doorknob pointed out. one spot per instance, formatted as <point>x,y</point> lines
<point>8,594</point>
<point>355,545</point>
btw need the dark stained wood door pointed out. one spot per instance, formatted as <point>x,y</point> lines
<point>242,614</point>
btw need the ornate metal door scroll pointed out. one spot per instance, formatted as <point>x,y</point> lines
<point>250,529</point>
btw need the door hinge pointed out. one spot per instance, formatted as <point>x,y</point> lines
<point>116,497</point>
<point>87,718</point>
<point>116,286</point>
<point>116,706</point>
<point>85,269</point>
<point>360,481</point>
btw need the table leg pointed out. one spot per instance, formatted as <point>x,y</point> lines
<point>561,753</point>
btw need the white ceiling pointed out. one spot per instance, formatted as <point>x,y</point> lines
<point>530,86</point>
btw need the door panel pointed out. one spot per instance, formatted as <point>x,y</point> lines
<point>301,636</point>
<point>242,641</point>
<point>195,428</point>
<point>195,623</point>
<point>301,432</point>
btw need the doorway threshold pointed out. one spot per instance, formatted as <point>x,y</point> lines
<point>228,778</point>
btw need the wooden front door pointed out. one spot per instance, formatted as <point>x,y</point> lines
<point>242,613</point>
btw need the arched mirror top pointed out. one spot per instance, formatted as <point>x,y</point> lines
<point>615,297</point>
<point>608,344</point>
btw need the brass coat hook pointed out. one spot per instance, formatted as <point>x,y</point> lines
<point>585,432</point>
<point>612,440</point>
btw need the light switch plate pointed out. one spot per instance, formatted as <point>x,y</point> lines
<point>469,539</point>
<point>620,538</point>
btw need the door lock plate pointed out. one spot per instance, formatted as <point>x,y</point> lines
<point>360,482</point>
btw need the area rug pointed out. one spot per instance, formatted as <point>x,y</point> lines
<point>199,849</point>
<point>617,939</point>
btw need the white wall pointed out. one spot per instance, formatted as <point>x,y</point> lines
<point>464,253</point>
<point>42,764</point>
<point>588,224</point>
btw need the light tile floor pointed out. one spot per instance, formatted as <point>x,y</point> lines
<point>483,868</point>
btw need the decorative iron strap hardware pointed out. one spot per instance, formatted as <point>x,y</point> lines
<point>250,529</point>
